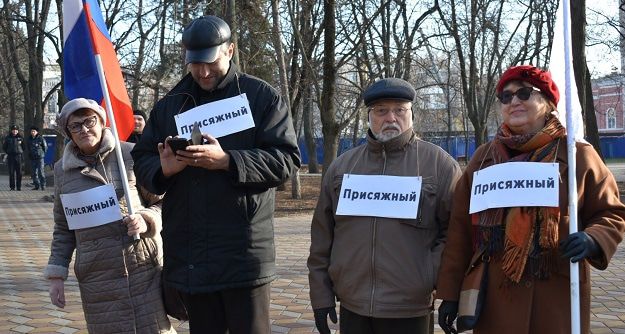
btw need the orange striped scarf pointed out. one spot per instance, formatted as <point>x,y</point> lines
<point>525,235</point>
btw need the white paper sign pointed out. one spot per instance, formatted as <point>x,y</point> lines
<point>379,196</point>
<point>515,184</point>
<point>218,119</point>
<point>93,207</point>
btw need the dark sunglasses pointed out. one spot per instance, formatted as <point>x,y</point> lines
<point>522,93</point>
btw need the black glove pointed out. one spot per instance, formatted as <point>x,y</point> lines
<point>321,318</point>
<point>447,313</point>
<point>578,246</point>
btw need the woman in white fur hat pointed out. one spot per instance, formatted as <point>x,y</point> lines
<point>118,277</point>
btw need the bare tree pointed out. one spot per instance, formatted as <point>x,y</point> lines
<point>24,26</point>
<point>306,27</point>
<point>328,113</point>
<point>146,23</point>
<point>484,45</point>
<point>582,75</point>
<point>9,88</point>
<point>296,191</point>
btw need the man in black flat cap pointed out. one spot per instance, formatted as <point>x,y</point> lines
<point>14,146</point>
<point>218,208</point>
<point>375,244</point>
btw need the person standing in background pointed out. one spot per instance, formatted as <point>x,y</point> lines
<point>37,148</point>
<point>140,119</point>
<point>14,146</point>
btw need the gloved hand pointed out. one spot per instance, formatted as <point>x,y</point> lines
<point>321,318</point>
<point>578,246</point>
<point>447,313</point>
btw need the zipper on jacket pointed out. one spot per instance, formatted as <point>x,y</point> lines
<point>373,240</point>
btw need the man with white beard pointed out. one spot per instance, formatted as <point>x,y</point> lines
<point>381,222</point>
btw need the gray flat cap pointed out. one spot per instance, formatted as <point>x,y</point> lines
<point>389,88</point>
<point>203,37</point>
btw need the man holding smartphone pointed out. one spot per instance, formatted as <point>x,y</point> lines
<point>218,208</point>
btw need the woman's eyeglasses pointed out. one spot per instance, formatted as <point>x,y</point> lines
<point>88,122</point>
<point>522,93</point>
<point>382,111</point>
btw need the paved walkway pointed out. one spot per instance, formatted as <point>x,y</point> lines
<point>25,233</point>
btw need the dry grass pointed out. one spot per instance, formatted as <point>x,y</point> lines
<point>287,206</point>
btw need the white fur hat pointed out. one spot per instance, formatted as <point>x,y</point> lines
<point>75,105</point>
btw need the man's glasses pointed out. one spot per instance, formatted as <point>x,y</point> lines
<point>88,122</point>
<point>382,111</point>
<point>522,93</point>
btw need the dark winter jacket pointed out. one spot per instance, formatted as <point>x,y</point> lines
<point>13,144</point>
<point>218,225</point>
<point>37,147</point>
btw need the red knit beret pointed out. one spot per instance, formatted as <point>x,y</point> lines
<point>533,75</point>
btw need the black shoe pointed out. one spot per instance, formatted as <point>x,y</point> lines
<point>43,188</point>
<point>35,188</point>
<point>19,189</point>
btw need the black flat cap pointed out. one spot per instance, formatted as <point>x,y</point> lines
<point>389,88</point>
<point>203,37</point>
<point>14,127</point>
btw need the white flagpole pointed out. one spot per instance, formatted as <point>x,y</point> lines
<point>572,166</point>
<point>118,149</point>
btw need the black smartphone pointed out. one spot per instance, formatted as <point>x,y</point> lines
<point>178,144</point>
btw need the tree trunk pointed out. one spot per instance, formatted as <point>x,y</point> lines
<point>7,80</point>
<point>234,30</point>
<point>311,147</point>
<point>296,191</point>
<point>582,77</point>
<point>590,117</point>
<point>330,128</point>
<point>138,66</point>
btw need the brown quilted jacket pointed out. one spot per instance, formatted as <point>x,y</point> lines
<point>119,279</point>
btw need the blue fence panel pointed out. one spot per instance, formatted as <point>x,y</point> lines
<point>456,147</point>
<point>611,147</point>
<point>48,159</point>
<point>344,145</point>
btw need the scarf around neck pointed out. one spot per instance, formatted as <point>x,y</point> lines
<point>526,237</point>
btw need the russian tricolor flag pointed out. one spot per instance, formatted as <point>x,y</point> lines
<point>84,36</point>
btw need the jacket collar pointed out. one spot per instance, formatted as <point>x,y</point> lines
<point>231,76</point>
<point>396,144</point>
<point>70,154</point>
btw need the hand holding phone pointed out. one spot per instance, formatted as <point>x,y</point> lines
<point>178,144</point>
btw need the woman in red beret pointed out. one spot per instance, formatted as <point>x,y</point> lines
<point>528,249</point>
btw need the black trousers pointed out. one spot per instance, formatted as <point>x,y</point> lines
<point>352,323</point>
<point>14,162</point>
<point>233,311</point>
